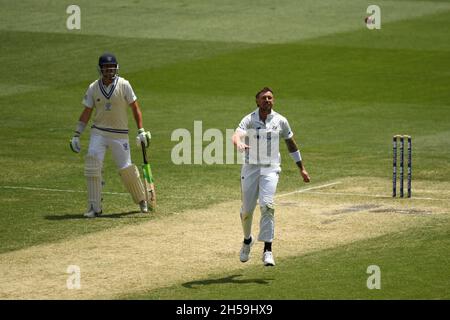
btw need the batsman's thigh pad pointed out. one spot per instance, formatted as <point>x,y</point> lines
<point>267,223</point>
<point>93,173</point>
<point>120,149</point>
<point>132,181</point>
<point>97,146</point>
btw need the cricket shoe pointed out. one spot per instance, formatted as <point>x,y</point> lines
<point>143,205</point>
<point>267,258</point>
<point>245,251</point>
<point>92,214</point>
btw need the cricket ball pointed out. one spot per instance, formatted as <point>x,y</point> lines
<point>369,20</point>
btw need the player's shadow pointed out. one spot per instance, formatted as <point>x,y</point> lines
<point>229,279</point>
<point>79,216</point>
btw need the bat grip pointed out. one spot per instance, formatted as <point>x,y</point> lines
<point>144,152</point>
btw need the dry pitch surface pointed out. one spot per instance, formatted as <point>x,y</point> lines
<point>194,244</point>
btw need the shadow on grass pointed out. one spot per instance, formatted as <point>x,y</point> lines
<point>79,216</point>
<point>229,279</point>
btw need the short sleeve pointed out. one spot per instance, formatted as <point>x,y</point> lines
<point>244,124</point>
<point>129,95</point>
<point>88,99</point>
<point>286,131</point>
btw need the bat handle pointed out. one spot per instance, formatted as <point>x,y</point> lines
<point>144,152</point>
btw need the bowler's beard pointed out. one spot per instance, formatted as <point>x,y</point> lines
<point>266,108</point>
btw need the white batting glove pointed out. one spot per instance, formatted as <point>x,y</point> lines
<point>75,144</point>
<point>75,141</point>
<point>143,136</point>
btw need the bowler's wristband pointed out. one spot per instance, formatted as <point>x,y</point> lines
<point>296,156</point>
<point>80,128</point>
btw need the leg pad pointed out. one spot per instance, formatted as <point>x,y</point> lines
<point>93,173</point>
<point>132,181</point>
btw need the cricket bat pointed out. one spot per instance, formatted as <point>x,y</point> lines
<point>148,180</point>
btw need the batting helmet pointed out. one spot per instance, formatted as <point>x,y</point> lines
<point>108,59</point>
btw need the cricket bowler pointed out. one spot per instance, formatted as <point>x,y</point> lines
<point>109,98</point>
<point>258,179</point>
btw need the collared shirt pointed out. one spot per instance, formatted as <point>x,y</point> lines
<point>275,124</point>
<point>111,104</point>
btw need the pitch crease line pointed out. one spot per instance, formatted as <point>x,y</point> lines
<point>121,193</point>
<point>57,190</point>
<point>308,189</point>
<point>372,195</point>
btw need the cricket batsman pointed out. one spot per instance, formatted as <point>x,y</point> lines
<point>109,98</point>
<point>259,178</point>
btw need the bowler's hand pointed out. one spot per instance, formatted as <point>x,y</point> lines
<point>305,175</point>
<point>242,147</point>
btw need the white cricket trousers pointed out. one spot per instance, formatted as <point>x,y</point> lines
<point>259,183</point>
<point>94,162</point>
<point>120,149</point>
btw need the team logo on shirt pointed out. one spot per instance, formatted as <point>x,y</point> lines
<point>125,146</point>
<point>108,106</point>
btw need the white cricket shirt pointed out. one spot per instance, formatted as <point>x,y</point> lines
<point>275,126</point>
<point>111,104</point>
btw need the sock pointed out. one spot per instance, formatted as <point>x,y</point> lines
<point>248,241</point>
<point>267,246</point>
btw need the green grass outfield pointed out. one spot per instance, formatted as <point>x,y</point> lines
<point>345,90</point>
<point>413,265</point>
